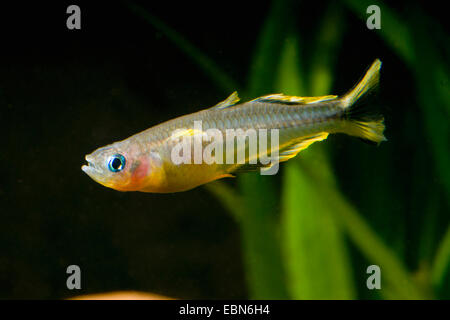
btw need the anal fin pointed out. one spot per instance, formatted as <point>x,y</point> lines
<point>292,150</point>
<point>285,153</point>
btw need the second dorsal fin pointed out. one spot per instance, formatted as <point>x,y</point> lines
<point>284,99</point>
<point>228,102</point>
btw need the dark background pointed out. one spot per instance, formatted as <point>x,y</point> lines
<point>63,93</point>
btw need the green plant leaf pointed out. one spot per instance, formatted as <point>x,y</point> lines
<point>398,281</point>
<point>314,249</point>
<point>221,79</point>
<point>228,197</point>
<point>316,256</point>
<point>442,261</point>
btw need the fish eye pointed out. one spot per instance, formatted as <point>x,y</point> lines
<point>116,163</point>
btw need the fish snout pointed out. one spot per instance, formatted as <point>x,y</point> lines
<point>90,167</point>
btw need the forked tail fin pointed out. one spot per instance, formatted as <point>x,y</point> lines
<point>360,120</point>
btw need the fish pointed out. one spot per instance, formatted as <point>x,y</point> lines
<point>145,161</point>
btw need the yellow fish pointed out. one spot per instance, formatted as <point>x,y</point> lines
<point>164,159</point>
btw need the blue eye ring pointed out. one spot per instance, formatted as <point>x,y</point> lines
<point>116,163</point>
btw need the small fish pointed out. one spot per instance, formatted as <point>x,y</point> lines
<point>144,161</point>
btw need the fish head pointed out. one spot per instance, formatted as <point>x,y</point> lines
<point>120,166</point>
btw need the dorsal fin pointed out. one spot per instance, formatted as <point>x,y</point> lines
<point>294,100</point>
<point>228,102</point>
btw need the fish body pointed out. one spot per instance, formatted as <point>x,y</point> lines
<point>145,161</point>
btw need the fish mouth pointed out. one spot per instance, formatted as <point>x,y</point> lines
<point>90,168</point>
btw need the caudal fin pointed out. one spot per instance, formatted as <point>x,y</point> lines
<point>360,119</point>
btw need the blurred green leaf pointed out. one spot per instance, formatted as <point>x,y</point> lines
<point>316,256</point>
<point>398,281</point>
<point>314,249</point>
<point>265,61</point>
<point>393,30</point>
<point>228,197</point>
<point>325,50</point>
<point>222,80</point>
<point>442,260</point>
